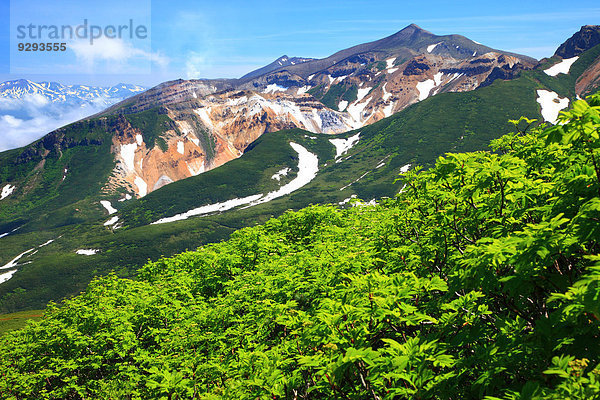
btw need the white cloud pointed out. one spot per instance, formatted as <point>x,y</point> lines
<point>114,51</point>
<point>23,121</point>
<point>11,121</point>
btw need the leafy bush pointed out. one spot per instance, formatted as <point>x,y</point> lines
<point>480,279</point>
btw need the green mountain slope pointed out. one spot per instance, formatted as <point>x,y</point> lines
<point>417,136</point>
<point>479,279</point>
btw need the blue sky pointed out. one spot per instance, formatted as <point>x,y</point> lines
<point>227,38</point>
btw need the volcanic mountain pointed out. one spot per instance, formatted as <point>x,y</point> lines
<point>211,122</point>
<point>68,206</point>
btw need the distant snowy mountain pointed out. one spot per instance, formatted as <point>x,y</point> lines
<point>29,110</point>
<point>71,94</point>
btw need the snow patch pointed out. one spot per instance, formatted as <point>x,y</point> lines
<point>8,233</point>
<point>392,70</point>
<point>111,221</point>
<point>87,252</point>
<point>562,67</point>
<point>343,145</point>
<point>180,147</point>
<point>106,204</point>
<point>46,243</point>
<point>386,95</point>
<point>341,203</point>
<point>142,186</point>
<point>128,155</point>
<point>13,263</point>
<point>274,88</point>
<point>404,169</point>
<point>425,87</point>
<point>551,105</point>
<point>303,90</point>
<point>277,176</point>
<point>431,47</point>
<point>342,105</point>
<point>127,197</point>
<point>362,93</point>
<point>356,110</point>
<point>390,62</point>
<point>7,275</point>
<point>6,191</point>
<point>139,139</point>
<point>389,109</point>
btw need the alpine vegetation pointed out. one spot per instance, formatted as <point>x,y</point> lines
<point>479,280</point>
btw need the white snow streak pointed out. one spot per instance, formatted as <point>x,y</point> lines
<point>562,67</point>
<point>87,252</point>
<point>111,221</point>
<point>6,191</point>
<point>142,186</point>
<point>139,139</point>
<point>343,145</point>
<point>308,166</point>
<point>7,275</point>
<point>277,176</point>
<point>13,263</point>
<point>204,114</point>
<point>128,155</point>
<point>431,47</point>
<point>210,208</point>
<point>106,204</point>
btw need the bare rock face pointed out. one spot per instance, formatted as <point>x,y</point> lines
<point>587,37</point>
<point>589,81</point>
<point>209,132</point>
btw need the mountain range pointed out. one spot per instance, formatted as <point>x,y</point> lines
<point>190,161</point>
<point>29,110</point>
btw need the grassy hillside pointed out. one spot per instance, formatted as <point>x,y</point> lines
<point>73,218</point>
<point>479,280</point>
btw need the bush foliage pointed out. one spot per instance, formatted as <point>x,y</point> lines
<point>480,279</point>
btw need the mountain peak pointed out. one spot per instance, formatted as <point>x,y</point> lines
<point>586,38</point>
<point>413,28</point>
